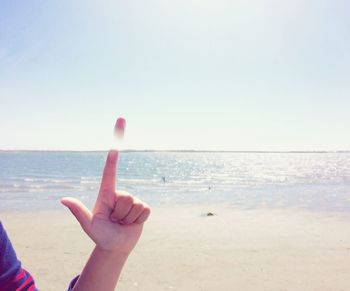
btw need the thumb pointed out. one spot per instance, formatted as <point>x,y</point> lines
<point>79,210</point>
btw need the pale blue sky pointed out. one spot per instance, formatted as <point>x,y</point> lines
<point>215,75</point>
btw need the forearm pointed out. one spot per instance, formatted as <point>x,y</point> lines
<point>101,271</point>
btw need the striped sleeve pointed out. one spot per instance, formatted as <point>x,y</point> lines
<point>72,284</point>
<point>12,276</point>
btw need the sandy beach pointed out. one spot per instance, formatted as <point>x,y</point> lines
<point>182,249</point>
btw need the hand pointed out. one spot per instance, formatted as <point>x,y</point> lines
<point>117,219</point>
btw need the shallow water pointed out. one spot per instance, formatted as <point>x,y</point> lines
<point>313,181</point>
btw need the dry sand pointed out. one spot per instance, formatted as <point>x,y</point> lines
<point>272,250</point>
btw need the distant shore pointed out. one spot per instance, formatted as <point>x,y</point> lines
<point>186,151</point>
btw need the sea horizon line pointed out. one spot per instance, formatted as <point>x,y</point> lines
<point>181,151</point>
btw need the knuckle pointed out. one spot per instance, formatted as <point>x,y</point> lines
<point>123,193</point>
<point>138,206</point>
<point>127,199</point>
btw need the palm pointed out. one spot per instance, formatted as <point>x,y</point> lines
<point>117,218</point>
<point>110,234</point>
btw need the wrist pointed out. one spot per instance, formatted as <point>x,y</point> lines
<point>112,252</point>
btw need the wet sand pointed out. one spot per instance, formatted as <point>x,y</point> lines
<point>181,249</point>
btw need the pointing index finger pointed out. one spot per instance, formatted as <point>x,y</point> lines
<point>109,172</point>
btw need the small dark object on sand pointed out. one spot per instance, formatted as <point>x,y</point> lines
<point>210,214</point>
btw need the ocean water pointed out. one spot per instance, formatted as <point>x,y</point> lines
<point>311,181</point>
